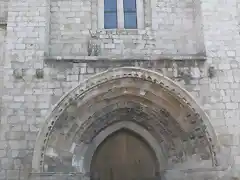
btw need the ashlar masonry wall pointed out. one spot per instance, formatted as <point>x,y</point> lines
<point>221,36</point>
<point>70,25</point>
<point>25,47</point>
<point>32,83</point>
<point>169,27</point>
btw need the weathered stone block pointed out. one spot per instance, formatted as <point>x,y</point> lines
<point>3,145</point>
<point>22,144</point>
<point>226,140</point>
<point>13,174</point>
<point>15,135</point>
<point>3,153</point>
<point>2,175</point>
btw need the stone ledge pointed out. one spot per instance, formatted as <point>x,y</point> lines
<point>212,172</point>
<point>80,59</point>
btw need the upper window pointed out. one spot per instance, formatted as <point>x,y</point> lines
<point>120,14</point>
<point>130,14</point>
<point>110,14</point>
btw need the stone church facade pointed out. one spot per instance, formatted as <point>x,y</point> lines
<point>74,72</point>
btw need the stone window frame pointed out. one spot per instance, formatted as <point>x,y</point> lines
<point>147,14</point>
<point>120,14</point>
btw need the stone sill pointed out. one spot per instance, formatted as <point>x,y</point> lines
<point>98,32</point>
<point>80,59</point>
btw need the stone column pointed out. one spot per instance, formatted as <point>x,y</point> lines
<point>24,100</point>
<point>221,36</point>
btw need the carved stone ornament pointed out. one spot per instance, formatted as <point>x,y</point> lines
<point>39,73</point>
<point>97,85</point>
<point>18,73</point>
<point>94,47</point>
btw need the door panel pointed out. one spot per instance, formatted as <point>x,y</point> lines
<point>123,156</point>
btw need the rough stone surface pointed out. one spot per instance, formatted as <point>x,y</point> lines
<point>3,11</point>
<point>49,47</point>
<point>173,30</point>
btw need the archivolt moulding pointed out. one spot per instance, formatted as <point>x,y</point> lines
<point>97,85</point>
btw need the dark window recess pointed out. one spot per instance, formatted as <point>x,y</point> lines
<point>110,14</point>
<point>130,14</point>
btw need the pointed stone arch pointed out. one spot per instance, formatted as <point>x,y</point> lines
<point>85,152</point>
<point>147,98</point>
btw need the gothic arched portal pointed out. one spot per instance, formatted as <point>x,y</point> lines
<point>126,155</point>
<point>155,104</point>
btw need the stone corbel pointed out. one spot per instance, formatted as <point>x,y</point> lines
<point>94,45</point>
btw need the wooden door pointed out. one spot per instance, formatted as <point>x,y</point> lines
<point>123,156</point>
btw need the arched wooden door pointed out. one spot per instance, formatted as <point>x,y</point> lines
<point>123,156</point>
